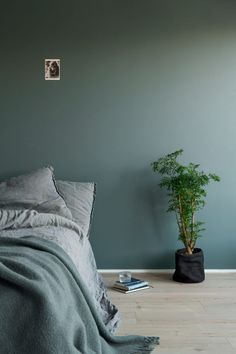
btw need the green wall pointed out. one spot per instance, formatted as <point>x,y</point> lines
<point>139,79</point>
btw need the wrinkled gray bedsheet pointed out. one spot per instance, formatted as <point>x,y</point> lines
<point>68,235</point>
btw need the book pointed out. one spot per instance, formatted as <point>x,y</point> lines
<point>132,286</point>
<point>131,282</point>
<point>132,290</point>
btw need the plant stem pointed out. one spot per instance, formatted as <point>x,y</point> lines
<point>184,231</point>
<point>189,250</point>
<point>192,226</point>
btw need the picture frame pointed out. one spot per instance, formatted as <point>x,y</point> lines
<point>52,69</point>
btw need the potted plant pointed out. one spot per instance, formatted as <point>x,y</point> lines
<point>186,186</point>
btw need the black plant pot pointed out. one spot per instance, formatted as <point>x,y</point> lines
<point>189,268</point>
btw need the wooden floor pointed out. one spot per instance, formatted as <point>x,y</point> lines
<point>188,318</point>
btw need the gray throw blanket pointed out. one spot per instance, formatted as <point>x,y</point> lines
<point>69,236</point>
<point>45,307</point>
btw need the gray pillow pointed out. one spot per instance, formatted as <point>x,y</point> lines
<point>36,190</point>
<point>79,198</point>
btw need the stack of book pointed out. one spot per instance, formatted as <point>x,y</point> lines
<point>133,285</point>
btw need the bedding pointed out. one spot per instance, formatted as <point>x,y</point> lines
<point>69,236</point>
<point>36,190</point>
<point>79,198</point>
<point>52,299</point>
<point>45,306</point>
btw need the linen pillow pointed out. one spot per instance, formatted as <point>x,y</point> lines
<point>79,198</point>
<point>36,190</point>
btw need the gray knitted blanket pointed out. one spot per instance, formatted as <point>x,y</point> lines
<point>45,307</point>
<point>69,236</point>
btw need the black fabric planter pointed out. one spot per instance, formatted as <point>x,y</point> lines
<point>189,268</point>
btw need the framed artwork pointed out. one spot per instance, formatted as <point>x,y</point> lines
<point>52,69</point>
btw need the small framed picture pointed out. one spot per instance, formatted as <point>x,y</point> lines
<point>52,69</point>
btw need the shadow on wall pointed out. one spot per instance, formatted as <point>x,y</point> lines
<point>145,214</point>
<point>161,260</point>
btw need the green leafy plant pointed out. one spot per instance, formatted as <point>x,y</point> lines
<point>186,187</point>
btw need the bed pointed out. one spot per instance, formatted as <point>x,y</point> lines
<point>52,299</point>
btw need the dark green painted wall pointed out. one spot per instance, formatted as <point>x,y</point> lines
<point>139,79</point>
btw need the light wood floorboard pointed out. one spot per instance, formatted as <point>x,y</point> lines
<point>188,318</point>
